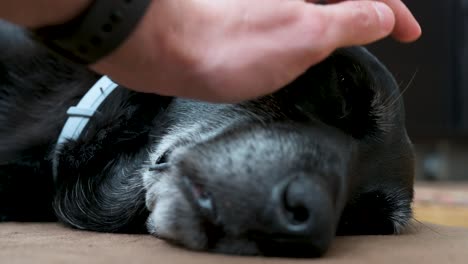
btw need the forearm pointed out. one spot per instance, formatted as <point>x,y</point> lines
<point>37,13</point>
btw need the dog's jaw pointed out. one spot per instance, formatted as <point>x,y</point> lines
<point>402,213</point>
<point>171,217</point>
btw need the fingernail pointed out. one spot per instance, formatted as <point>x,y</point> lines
<point>386,16</point>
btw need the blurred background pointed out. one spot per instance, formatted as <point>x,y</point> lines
<point>433,73</point>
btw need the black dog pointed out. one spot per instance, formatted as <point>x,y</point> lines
<point>281,175</point>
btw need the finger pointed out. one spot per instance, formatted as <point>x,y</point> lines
<point>350,23</point>
<point>407,28</point>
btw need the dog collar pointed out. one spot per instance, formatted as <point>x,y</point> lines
<point>79,115</point>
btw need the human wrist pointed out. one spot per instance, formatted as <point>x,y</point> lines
<point>39,13</point>
<point>95,33</point>
<point>163,58</point>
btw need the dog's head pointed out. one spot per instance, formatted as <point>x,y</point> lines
<point>283,174</point>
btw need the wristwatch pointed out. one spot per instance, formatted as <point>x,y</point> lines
<point>96,32</point>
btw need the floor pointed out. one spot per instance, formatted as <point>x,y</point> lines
<point>442,203</point>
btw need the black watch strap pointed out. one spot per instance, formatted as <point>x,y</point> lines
<point>96,32</point>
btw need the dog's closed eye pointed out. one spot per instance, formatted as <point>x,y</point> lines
<point>163,158</point>
<point>161,163</point>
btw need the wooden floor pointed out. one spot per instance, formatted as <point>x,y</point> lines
<point>442,214</point>
<point>445,204</point>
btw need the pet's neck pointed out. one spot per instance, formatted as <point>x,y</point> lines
<point>80,115</point>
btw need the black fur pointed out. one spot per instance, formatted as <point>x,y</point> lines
<point>349,103</point>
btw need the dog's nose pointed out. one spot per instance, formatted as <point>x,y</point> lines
<point>301,219</point>
<point>293,208</point>
<point>301,207</point>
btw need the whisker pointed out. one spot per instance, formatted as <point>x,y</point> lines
<point>386,103</point>
<point>426,226</point>
<point>406,88</point>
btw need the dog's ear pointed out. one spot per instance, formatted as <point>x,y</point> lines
<point>339,91</point>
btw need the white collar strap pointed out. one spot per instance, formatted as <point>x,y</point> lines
<point>79,115</point>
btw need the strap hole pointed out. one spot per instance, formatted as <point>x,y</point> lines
<point>82,49</point>
<point>107,28</point>
<point>96,41</point>
<point>115,17</point>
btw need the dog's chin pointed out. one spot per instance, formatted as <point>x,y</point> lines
<point>174,220</point>
<point>172,217</point>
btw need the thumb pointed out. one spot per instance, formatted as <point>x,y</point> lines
<point>352,22</point>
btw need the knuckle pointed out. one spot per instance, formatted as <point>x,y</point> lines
<point>315,30</point>
<point>318,24</point>
<point>361,17</point>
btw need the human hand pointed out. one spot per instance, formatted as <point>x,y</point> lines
<point>233,50</point>
<point>406,27</point>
